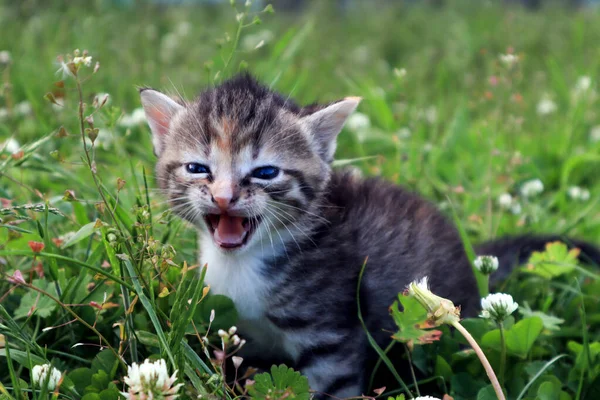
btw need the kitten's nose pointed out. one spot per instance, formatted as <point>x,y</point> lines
<point>223,202</point>
<point>223,194</point>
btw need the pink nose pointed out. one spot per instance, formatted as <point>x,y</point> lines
<point>223,202</point>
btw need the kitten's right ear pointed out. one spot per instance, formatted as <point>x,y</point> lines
<point>160,110</point>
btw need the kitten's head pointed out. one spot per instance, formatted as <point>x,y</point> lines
<point>241,162</point>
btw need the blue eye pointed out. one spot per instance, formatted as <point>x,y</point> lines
<point>195,168</point>
<point>265,172</point>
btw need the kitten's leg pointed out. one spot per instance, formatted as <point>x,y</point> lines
<point>333,367</point>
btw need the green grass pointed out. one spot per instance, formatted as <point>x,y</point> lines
<point>460,127</point>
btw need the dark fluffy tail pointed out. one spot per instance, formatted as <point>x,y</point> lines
<point>513,251</point>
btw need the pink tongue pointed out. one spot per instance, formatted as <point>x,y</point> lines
<point>230,230</point>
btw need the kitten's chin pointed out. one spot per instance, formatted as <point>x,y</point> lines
<point>231,233</point>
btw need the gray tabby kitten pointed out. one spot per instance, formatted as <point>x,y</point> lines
<point>285,236</point>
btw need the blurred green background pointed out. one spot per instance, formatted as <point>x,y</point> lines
<point>489,108</point>
<point>450,115</point>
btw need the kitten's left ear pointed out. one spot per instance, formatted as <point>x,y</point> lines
<point>159,109</point>
<point>325,124</point>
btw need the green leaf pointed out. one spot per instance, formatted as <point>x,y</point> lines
<point>35,301</point>
<point>487,393</point>
<point>411,320</point>
<point>148,339</point>
<point>548,391</point>
<point>442,368</point>
<point>82,378</point>
<point>91,396</point>
<point>550,322</point>
<point>105,361</point>
<point>84,232</point>
<point>586,359</point>
<point>282,382</point>
<point>21,357</point>
<point>225,313</point>
<point>100,381</point>
<point>109,394</point>
<point>519,338</point>
<point>557,260</point>
<point>522,335</point>
<point>465,385</point>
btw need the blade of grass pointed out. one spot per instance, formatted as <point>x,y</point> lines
<point>151,313</point>
<point>479,277</point>
<point>538,374</point>
<point>13,377</point>
<point>72,260</point>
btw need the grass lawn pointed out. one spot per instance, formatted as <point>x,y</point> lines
<point>468,104</point>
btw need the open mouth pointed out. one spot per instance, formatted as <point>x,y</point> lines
<point>230,232</point>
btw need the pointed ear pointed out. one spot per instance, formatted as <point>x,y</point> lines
<point>325,124</point>
<point>159,109</point>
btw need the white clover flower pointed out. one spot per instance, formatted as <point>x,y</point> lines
<point>498,306</point>
<point>431,114</point>
<point>400,72</point>
<point>595,134</point>
<point>361,54</point>
<point>403,133</point>
<point>358,122</point>
<point>505,201</point>
<point>532,188</point>
<point>168,46</point>
<point>486,264</point>
<point>183,28</point>
<point>104,139</point>
<point>137,117</point>
<point>222,333</point>
<point>516,208</point>
<point>578,193</point>
<point>546,107</point>
<point>23,108</point>
<point>10,146</point>
<point>232,330</point>
<point>426,398</point>
<point>5,57</point>
<point>150,380</point>
<point>40,375</point>
<point>584,83</point>
<point>509,59</point>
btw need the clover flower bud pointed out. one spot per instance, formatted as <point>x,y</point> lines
<point>440,310</point>
<point>498,306</point>
<point>486,264</point>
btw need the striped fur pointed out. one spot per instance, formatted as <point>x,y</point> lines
<point>294,281</point>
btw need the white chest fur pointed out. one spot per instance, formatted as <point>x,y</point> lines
<point>238,278</point>
<point>241,279</point>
